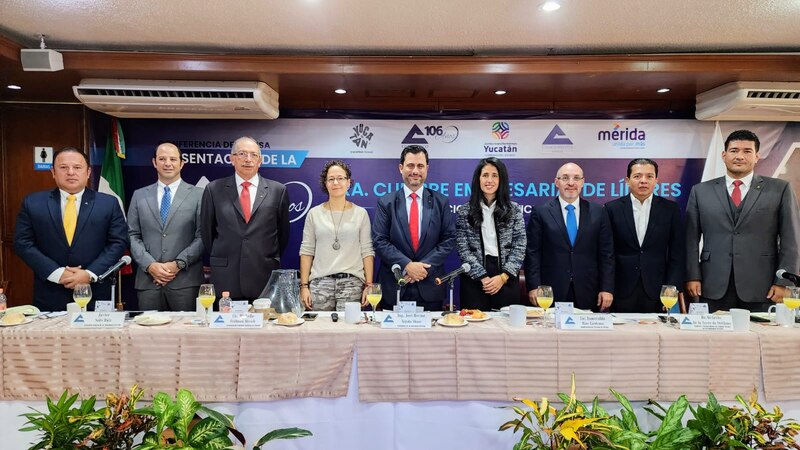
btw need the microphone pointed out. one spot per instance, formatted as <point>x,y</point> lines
<point>464,268</point>
<point>124,261</point>
<point>788,276</point>
<point>398,275</point>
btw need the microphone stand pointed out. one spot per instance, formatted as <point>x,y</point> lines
<point>451,283</point>
<point>113,279</point>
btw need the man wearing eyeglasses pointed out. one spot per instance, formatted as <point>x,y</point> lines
<point>570,246</point>
<point>245,224</point>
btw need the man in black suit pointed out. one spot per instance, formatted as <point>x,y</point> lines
<point>570,246</point>
<point>245,224</point>
<point>648,241</point>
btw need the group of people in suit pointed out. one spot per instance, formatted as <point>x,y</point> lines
<point>603,257</point>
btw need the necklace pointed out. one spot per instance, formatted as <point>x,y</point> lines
<point>336,245</point>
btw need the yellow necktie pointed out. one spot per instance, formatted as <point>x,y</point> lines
<point>70,218</point>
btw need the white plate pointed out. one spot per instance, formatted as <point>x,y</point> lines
<point>300,321</point>
<point>149,320</point>
<point>27,320</point>
<point>456,325</point>
<point>28,310</point>
<point>470,319</point>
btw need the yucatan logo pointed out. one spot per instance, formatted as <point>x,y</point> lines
<point>361,135</point>
<point>623,138</point>
<point>500,130</point>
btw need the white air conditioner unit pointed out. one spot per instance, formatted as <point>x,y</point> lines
<point>746,100</point>
<point>179,99</point>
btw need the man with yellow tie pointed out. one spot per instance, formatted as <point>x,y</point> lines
<point>69,235</point>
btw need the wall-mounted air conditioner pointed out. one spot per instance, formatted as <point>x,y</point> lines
<point>748,100</point>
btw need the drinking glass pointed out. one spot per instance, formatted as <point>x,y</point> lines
<point>82,294</point>
<point>544,297</point>
<point>374,297</point>
<point>669,296</point>
<point>206,295</point>
<point>792,300</point>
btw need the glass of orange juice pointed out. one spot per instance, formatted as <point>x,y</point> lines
<point>544,297</point>
<point>206,295</point>
<point>669,296</point>
<point>791,298</point>
<point>82,294</point>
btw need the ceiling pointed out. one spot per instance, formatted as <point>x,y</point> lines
<point>598,55</point>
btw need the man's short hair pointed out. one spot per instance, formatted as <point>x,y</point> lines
<point>415,149</point>
<point>742,135</point>
<point>70,149</point>
<point>243,139</point>
<point>642,161</point>
<point>155,152</point>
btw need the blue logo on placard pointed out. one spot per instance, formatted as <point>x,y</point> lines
<point>686,321</point>
<point>288,159</point>
<point>569,321</point>
<point>219,319</point>
<point>388,319</point>
<point>79,319</point>
<point>557,137</point>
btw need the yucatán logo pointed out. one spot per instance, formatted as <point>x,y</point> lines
<point>361,135</point>
<point>624,138</point>
<point>500,131</point>
<point>557,137</point>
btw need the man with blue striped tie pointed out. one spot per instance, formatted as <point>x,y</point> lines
<point>164,228</point>
<point>570,246</point>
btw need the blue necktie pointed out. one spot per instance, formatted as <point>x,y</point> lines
<point>572,224</point>
<point>165,202</point>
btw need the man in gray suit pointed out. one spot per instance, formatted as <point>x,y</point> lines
<point>164,228</point>
<point>749,225</point>
<point>245,224</point>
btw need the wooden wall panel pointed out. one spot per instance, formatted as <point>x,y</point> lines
<point>22,127</point>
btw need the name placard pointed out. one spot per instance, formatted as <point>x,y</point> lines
<point>698,308</point>
<point>240,306</point>
<point>395,320</point>
<point>104,306</point>
<point>236,320</point>
<point>97,319</point>
<point>584,322</point>
<point>563,308</point>
<point>706,322</point>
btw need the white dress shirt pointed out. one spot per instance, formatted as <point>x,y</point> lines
<point>419,192</point>
<point>253,188</point>
<point>576,204</point>
<point>489,231</point>
<point>55,275</point>
<point>173,188</point>
<point>747,180</point>
<point>641,215</point>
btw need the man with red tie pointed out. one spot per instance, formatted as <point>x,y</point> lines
<point>748,225</point>
<point>414,229</point>
<point>245,224</point>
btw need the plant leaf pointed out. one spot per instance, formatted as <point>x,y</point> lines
<point>283,433</point>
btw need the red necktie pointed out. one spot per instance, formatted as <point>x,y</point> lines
<point>244,199</point>
<point>736,195</point>
<point>413,221</point>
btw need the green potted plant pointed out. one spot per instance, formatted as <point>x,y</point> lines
<point>62,426</point>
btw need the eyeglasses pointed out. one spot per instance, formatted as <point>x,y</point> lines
<point>246,155</point>
<point>339,180</point>
<point>567,179</point>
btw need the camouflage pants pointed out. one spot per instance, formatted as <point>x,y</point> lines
<point>329,294</point>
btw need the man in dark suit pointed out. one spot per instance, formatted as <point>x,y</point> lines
<point>749,225</point>
<point>69,235</point>
<point>570,246</point>
<point>164,227</point>
<point>648,242</point>
<point>245,224</point>
<point>413,228</point>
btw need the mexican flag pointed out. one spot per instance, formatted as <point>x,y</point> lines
<point>111,171</point>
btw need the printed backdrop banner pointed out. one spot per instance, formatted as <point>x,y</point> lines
<point>295,151</point>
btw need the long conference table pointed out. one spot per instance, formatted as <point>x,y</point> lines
<point>359,386</point>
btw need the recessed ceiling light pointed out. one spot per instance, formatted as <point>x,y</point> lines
<point>340,91</point>
<point>499,92</point>
<point>663,90</point>
<point>14,87</point>
<point>550,6</point>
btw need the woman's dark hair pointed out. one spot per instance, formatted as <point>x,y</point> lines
<point>323,176</point>
<point>502,208</point>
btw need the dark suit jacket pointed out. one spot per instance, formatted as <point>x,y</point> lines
<point>243,255</point>
<point>762,241</point>
<point>392,242</point>
<point>179,238</point>
<point>100,240</point>
<point>552,261</point>
<point>658,260</point>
